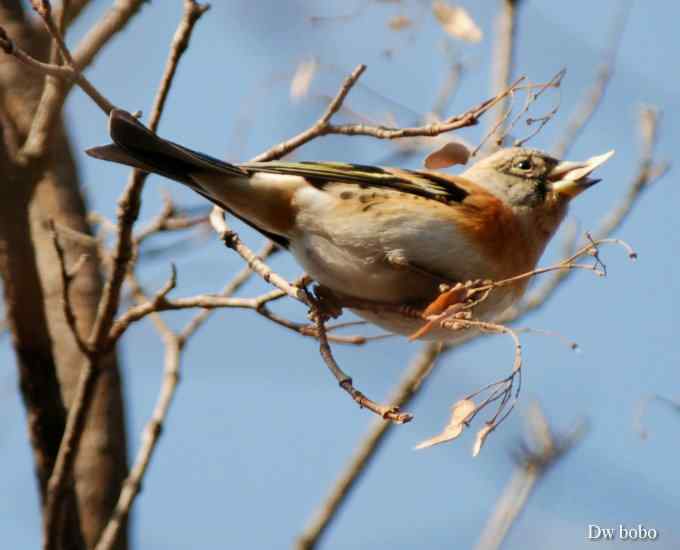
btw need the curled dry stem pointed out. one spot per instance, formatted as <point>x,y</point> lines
<point>391,413</point>
<point>456,313</point>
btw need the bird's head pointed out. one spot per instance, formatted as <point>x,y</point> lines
<point>523,177</point>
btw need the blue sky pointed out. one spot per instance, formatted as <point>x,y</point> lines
<point>259,428</point>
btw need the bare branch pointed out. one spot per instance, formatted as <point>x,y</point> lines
<point>233,241</point>
<point>320,127</point>
<point>128,211</point>
<point>154,427</point>
<point>537,453</point>
<point>503,59</point>
<point>555,82</point>
<point>10,48</point>
<point>390,413</point>
<point>168,219</point>
<point>180,42</point>
<point>150,437</point>
<point>55,90</point>
<point>129,203</point>
<point>648,172</point>
<point>114,21</point>
<point>205,301</point>
<point>421,366</point>
<point>312,331</point>
<point>44,10</point>
<point>324,127</point>
<point>468,118</point>
<point>230,289</point>
<point>580,118</point>
<point>641,411</point>
<point>67,277</point>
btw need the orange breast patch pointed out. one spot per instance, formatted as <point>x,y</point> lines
<point>487,221</point>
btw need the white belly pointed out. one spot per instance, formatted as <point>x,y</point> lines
<point>367,254</point>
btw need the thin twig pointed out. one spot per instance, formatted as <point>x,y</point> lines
<point>641,410</point>
<point>540,450</point>
<point>130,202</point>
<point>168,220</point>
<point>324,127</point>
<point>67,277</point>
<point>232,240</point>
<point>206,301</point>
<point>229,290</point>
<point>647,173</point>
<point>420,368</point>
<point>311,330</point>
<point>54,93</point>
<point>584,112</point>
<point>555,82</point>
<point>153,429</point>
<point>448,88</point>
<point>469,118</point>
<point>320,126</point>
<point>180,42</point>
<point>504,57</point>
<point>55,89</point>
<point>386,412</point>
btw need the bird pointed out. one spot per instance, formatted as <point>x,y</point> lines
<point>383,235</point>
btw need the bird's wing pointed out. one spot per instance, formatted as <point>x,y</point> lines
<point>439,187</point>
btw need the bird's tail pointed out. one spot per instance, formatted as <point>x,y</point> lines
<point>137,146</point>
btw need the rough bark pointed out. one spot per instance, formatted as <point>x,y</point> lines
<point>48,358</point>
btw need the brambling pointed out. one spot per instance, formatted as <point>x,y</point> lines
<point>385,235</point>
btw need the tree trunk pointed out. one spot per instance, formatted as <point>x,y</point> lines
<point>48,358</point>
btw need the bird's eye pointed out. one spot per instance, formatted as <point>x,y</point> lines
<point>524,164</point>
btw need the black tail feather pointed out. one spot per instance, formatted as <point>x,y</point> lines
<point>135,145</point>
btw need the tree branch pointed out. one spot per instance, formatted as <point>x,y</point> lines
<point>128,212</point>
<point>421,366</point>
<point>584,112</point>
<point>540,450</point>
<point>154,427</point>
<point>54,93</point>
<point>503,60</point>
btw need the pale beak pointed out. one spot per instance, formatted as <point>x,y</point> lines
<point>571,178</point>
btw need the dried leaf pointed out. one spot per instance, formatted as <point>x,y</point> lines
<point>460,412</point>
<point>302,79</point>
<point>399,23</point>
<point>481,437</point>
<point>449,154</point>
<point>456,21</point>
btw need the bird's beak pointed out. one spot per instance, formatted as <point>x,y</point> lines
<point>569,179</point>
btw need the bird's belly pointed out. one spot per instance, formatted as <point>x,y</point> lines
<point>381,259</point>
<point>379,250</point>
<point>364,273</point>
<point>361,272</point>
